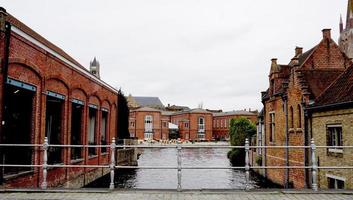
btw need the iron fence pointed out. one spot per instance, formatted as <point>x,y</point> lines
<point>179,146</point>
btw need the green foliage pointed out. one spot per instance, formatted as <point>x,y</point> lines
<point>239,130</point>
<point>123,117</point>
<point>259,160</point>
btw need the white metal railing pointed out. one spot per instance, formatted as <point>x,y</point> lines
<point>113,147</point>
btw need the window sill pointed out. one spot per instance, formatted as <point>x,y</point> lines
<point>19,174</point>
<point>92,157</point>
<point>76,161</point>
<point>272,143</point>
<point>299,130</point>
<point>104,153</point>
<point>333,150</point>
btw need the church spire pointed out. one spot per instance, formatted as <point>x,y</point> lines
<point>349,21</point>
<point>341,24</point>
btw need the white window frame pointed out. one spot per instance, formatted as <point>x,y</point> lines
<point>148,127</point>
<point>334,140</point>
<point>201,126</point>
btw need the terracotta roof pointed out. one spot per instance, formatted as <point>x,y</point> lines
<point>319,80</point>
<point>303,57</point>
<point>340,91</point>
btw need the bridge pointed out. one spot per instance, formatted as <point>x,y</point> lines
<point>173,195</point>
<point>55,193</point>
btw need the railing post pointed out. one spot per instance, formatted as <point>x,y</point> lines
<point>314,165</point>
<point>247,164</point>
<point>112,163</point>
<point>45,163</point>
<point>179,165</point>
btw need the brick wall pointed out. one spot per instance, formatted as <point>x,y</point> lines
<point>32,65</point>
<point>320,120</point>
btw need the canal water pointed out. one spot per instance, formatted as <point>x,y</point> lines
<point>191,178</point>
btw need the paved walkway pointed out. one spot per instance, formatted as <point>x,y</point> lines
<point>171,195</point>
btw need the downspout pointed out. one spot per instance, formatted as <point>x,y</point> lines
<point>286,181</point>
<point>306,153</point>
<point>4,70</point>
<point>264,162</point>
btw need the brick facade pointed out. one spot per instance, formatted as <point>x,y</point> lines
<point>292,88</point>
<point>221,122</point>
<point>35,61</point>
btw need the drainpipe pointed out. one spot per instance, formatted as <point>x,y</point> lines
<point>306,143</point>
<point>5,65</point>
<point>286,181</point>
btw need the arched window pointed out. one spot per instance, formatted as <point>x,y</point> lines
<point>291,117</point>
<point>201,124</point>
<point>299,116</point>
<point>148,123</point>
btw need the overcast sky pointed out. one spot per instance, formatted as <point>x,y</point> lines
<point>184,51</point>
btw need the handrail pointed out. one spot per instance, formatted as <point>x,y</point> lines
<point>179,167</point>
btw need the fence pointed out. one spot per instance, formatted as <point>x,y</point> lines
<point>113,164</point>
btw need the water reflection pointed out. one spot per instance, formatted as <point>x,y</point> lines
<point>191,179</point>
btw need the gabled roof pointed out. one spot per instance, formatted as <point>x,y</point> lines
<point>147,109</point>
<point>340,91</point>
<point>154,102</point>
<point>199,110</point>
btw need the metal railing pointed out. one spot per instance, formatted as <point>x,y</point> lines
<point>112,165</point>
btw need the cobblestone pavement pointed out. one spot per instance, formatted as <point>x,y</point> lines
<point>170,195</point>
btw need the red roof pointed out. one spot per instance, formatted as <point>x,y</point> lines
<point>340,91</point>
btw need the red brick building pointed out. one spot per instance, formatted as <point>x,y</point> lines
<point>153,124</point>
<point>146,123</point>
<point>293,87</point>
<point>194,124</point>
<point>221,122</point>
<point>46,93</point>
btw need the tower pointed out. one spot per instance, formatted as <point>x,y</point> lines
<point>94,67</point>
<point>345,40</point>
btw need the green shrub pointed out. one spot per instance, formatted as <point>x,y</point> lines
<point>239,130</point>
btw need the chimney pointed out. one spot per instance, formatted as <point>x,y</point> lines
<point>326,33</point>
<point>298,51</point>
<point>274,63</point>
<point>295,61</point>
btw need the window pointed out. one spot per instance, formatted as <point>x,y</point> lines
<point>54,109</point>
<point>217,123</point>
<point>148,127</point>
<point>225,123</point>
<point>201,124</point>
<point>291,117</point>
<point>221,123</point>
<point>92,124</point>
<point>164,124</point>
<point>104,131</point>
<point>334,137</point>
<point>299,116</point>
<point>76,130</point>
<point>186,125</point>
<point>334,183</point>
<point>148,123</point>
<point>272,127</point>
